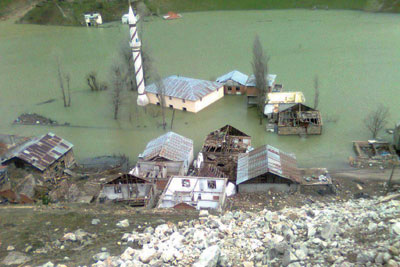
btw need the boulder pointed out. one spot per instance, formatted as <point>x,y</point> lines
<point>123,223</point>
<point>147,254</point>
<point>15,258</point>
<point>209,257</point>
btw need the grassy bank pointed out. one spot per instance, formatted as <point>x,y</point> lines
<point>71,12</point>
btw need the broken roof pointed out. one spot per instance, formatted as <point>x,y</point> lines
<point>270,79</point>
<point>171,146</point>
<point>185,88</point>
<point>280,107</point>
<point>228,130</point>
<point>42,152</point>
<point>267,159</point>
<point>235,76</point>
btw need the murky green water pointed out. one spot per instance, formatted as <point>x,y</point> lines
<point>356,56</point>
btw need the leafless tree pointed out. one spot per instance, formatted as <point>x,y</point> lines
<point>62,77</point>
<point>94,85</point>
<point>377,120</point>
<point>260,70</point>
<point>316,92</point>
<point>117,89</point>
<point>161,96</point>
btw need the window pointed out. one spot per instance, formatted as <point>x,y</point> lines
<point>238,88</point>
<point>170,98</point>
<point>184,109</point>
<point>183,100</point>
<point>158,103</point>
<point>156,95</point>
<point>171,106</point>
<point>212,184</point>
<point>185,183</point>
<point>229,88</point>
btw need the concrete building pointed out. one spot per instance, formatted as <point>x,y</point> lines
<point>188,192</point>
<point>267,168</point>
<point>48,155</point>
<point>186,94</point>
<point>168,155</point>
<point>234,83</point>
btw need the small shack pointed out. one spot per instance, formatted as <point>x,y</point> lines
<point>48,156</point>
<point>128,188</point>
<point>374,153</point>
<point>189,192</point>
<point>267,168</point>
<point>169,154</point>
<point>93,19</point>
<point>234,83</point>
<point>252,91</point>
<point>222,148</point>
<point>298,119</point>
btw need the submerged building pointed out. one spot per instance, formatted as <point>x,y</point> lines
<point>185,94</point>
<point>234,83</point>
<point>267,168</point>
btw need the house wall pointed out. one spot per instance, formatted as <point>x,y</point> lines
<point>109,191</point>
<point>265,187</point>
<point>234,89</point>
<point>58,167</point>
<point>191,106</point>
<point>170,168</point>
<point>311,129</point>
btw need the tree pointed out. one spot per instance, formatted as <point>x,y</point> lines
<point>64,77</point>
<point>91,79</point>
<point>316,92</point>
<point>161,96</point>
<point>377,120</point>
<point>260,70</point>
<point>117,89</point>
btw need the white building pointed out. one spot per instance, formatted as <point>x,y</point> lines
<point>183,192</point>
<point>93,19</point>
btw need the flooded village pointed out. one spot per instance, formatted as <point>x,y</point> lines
<point>190,190</point>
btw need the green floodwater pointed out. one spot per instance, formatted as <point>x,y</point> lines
<point>355,55</point>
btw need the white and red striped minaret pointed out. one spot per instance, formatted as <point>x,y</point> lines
<point>136,45</point>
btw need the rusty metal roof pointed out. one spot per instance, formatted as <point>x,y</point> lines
<point>185,88</point>
<point>267,159</point>
<point>42,152</point>
<point>171,146</point>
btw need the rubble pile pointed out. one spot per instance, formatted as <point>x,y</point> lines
<point>356,232</point>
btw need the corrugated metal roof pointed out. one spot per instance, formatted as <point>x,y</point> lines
<point>285,97</point>
<point>270,79</point>
<point>170,146</point>
<point>235,76</point>
<point>275,108</point>
<point>42,152</point>
<point>267,159</point>
<point>185,88</point>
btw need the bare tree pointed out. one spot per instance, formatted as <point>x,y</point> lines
<point>117,89</point>
<point>377,120</point>
<point>161,96</point>
<point>260,70</point>
<point>62,77</point>
<point>94,85</point>
<point>316,92</point>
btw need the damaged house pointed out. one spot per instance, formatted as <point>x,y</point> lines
<point>294,118</point>
<point>222,148</point>
<point>267,168</point>
<point>128,188</point>
<point>189,192</point>
<point>252,91</point>
<point>234,83</point>
<point>48,155</point>
<point>168,155</point>
<point>374,153</point>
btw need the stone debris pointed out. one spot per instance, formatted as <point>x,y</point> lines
<point>354,233</point>
<point>123,223</point>
<point>15,258</point>
<point>95,221</point>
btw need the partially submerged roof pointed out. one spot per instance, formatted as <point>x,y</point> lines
<point>42,152</point>
<point>171,146</point>
<point>228,130</point>
<point>185,88</point>
<point>276,108</point>
<point>270,80</point>
<point>267,159</point>
<point>235,76</point>
<point>285,97</point>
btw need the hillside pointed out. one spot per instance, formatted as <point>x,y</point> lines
<point>69,12</point>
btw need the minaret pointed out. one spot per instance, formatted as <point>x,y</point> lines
<point>137,58</point>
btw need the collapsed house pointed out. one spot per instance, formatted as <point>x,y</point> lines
<point>294,119</point>
<point>169,154</point>
<point>267,168</point>
<point>252,90</point>
<point>48,155</point>
<point>189,192</point>
<point>222,148</point>
<point>234,83</point>
<point>374,153</point>
<point>128,188</point>
<point>185,94</point>
<point>316,180</point>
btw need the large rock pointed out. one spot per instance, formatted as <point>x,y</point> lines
<point>396,228</point>
<point>15,258</point>
<point>147,254</point>
<point>288,258</point>
<point>123,223</point>
<point>328,231</point>
<point>209,257</point>
<point>102,256</point>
